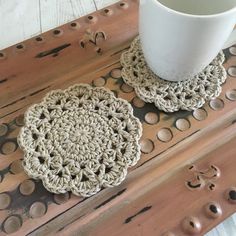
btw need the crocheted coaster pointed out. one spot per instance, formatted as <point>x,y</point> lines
<point>171,96</point>
<point>80,140</point>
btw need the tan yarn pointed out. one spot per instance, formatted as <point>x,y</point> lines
<point>171,96</point>
<point>80,140</point>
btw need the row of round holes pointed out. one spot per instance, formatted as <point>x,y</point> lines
<point>73,25</point>
<point>166,134</point>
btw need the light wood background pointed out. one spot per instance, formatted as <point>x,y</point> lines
<point>23,19</point>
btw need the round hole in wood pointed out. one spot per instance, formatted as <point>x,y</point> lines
<point>12,224</point>
<point>57,32</point>
<point>99,82</point>
<point>232,71</point>
<point>231,95</point>
<point>16,167</point>
<point>232,50</point>
<point>8,147</point>
<point>2,55</point>
<point>91,19</point>
<point>123,5</point>
<point>191,225</point>
<point>39,39</point>
<point>126,88</point>
<point>182,124</point>
<point>151,118</point>
<point>5,200</point>
<point>147,146</point>
<point>20,120</point>
<point>200,114</point>
<point>216,104</point>
<point>20,47</point>
<point>3,129</point>
<point>61,198</point>
<point>37,209</point>
<point>116,73</point>
<point>74,25</point>
<point>231,195</point>
<point>137,102</point>
<point>165,135</point>
<point>27,187</point>
<point>213,210</point>
<point>107,12</point>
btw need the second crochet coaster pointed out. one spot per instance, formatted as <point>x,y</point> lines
<point>81,139</point>
<point>171,96</point>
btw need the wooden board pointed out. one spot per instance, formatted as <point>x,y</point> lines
<point>157,196</point>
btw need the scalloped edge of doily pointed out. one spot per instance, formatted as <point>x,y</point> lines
<point>126,71</point>
<point>99,187</point>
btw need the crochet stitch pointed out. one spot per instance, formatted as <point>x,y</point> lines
<point>171,96</point>
<point>81,140</point>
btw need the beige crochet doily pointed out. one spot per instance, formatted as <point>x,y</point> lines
<point>171,96</point>
<point>81,140</point>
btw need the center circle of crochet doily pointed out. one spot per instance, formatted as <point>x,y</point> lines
<point>80,140</point>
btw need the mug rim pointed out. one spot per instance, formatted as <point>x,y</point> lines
<point>193,15</point>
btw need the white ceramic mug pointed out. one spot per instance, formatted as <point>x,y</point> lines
<point>180,38</point>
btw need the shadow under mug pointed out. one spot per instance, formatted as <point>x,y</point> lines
<point>180,38</point>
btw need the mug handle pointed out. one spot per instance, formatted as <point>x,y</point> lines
<point>231,41</point>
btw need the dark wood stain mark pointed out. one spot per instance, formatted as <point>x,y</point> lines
<point>12,112</point>
<point>7,78</point>
<point>3,172</point>
<point>38,91</point>
<point>9,104</point>
<point>169,148</point>
<point>3,81</point>
<point>227,54</point>
<point>233,122</point>
<point>129,219</point>
<point>52,51</point>
<point>110,199</point>
<point>20,99</point>
<point>177,115</point>
<point>24,202</point>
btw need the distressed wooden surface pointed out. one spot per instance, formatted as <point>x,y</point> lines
<point>49,14</point>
